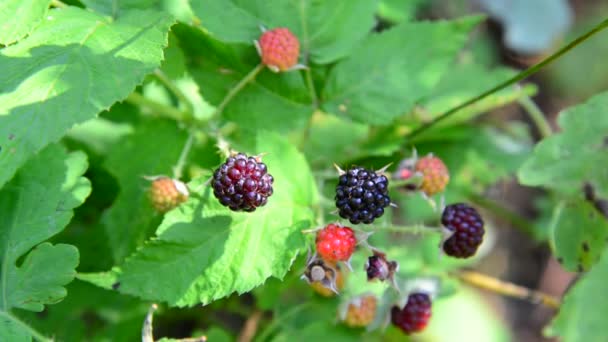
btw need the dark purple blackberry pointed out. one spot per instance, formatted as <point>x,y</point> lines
<point>362,195</point>
<point>415,314</point>
<point>378,267</point>
<point>242,183</point>
<point>467,225</point>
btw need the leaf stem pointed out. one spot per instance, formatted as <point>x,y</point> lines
<point>237,88</point>
<point>250,327</point>
<point>522,75</point>
<point>181,162</point>
<point>170,112</point>
<point>58,4</point>
<point>167,82</point>
<point>35,334</point>
<point>537,116</point>
<point>507,289</point>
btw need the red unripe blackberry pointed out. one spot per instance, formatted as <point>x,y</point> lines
<point>279,49</point>
<point>242,183</point>
<point>467,225</point>
<point>362,195</point>
<point>166,193</point>
<point>336,243</point>
<point>415,314</point>
<point>435,175</point>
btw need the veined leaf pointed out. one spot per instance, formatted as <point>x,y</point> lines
<point>204,251</point>
<point>575,156</point>
<point>390,71</point>
<point>20,17</point>
<point>76,64</point>
<point>36,205</point>
<point>327,30</point>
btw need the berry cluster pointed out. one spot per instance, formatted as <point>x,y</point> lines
<point>242,183</point>
<point>362,195</point>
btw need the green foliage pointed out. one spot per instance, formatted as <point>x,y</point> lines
<point>568,160</point>
<point>117,90</point>
<point>204,252</point>
<point>578,235</point>
<point>37,204</point>
<point>325,33</point>
<point>76,64</point>
<point>20,17</point>
<point>387,74</point>
<point>131,219</point>
<point>581,316</point>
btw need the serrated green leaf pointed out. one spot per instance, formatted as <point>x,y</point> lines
<point>115,8</point>
<point>582,314</point>
<point>390,71</point>
<point>131,219</point>
<point>73,66</point>
<point>20,17</point>
<point>576,155</point>
<point>36,205</point>
<point>99,134</point>
<point>578,235</point>
<point>204,251</point>
<point>325,33</point>
<point>397,11</point>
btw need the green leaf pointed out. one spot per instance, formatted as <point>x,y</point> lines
<point>73,66</point>
<point>271,102</point>
<point>391,71</point>
<point>462,83</point>
<point>115,8</point>
<point>19,18</point>
<point>99,134</point>
<point>582,316</point>
<point>36,205</point>
<point>397,11</point>
<point>131,219</point>
<point>204,251</point>
<point>325,33</point>
<point>576,155</point>
<point>578,235</point>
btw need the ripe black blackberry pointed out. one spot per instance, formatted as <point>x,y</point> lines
<point>362,195</point>
<point>242,183</point>
<point>467,225</point>
<point>415,314</point>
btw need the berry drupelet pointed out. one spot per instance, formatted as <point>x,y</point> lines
<point>362,195</point>
<point>242,183</point>
<point>467,227</point>
<point>415,314</point>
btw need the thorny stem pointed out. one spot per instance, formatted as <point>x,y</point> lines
<point>522,75</point>
<point>58,4</point>
<point>250,327</point>
<point>160,75</point>
<point>170,112</point>
<point>536,115</point>
<point>237,88</point>
<point>416,229</point>
<point>181,162</point>
<point>507,289</point>
<point>6,316</point>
